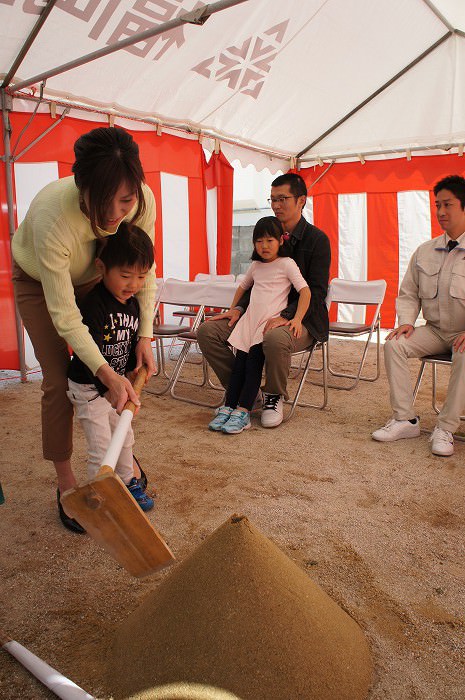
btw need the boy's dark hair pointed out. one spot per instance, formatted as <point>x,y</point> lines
<point>130,246</point>
<point>268,226</point>
<point>106,158</point>
<point>296,184</point>
<point>453,183</point>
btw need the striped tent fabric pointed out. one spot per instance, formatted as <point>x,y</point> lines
<point>376,214</point>
<point>182,182</point>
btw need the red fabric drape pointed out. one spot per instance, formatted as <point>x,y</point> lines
<point>219,173</point>
<point>165,153</point>
<point>381,180</point>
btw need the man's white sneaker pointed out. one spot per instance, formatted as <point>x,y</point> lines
<point>396,430</point>
<point>442,442</point>
<point>272,411</point>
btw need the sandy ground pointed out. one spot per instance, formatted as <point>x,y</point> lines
<point>380,527</point>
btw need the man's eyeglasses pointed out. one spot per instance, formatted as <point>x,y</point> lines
<point>281,200</point>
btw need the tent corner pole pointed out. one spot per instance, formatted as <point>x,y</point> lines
<point>7,104</point>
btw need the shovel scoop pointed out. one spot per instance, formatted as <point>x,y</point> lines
<point>111,516</point>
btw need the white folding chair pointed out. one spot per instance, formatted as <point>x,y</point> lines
<point>305,358</point>
<point>174,293</point>
<point>305,368</point>
<point>367,294</point>
<point>219,296</point>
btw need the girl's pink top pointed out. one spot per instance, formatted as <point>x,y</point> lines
<point>271,285</point>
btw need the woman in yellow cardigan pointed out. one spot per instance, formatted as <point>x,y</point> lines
<point>53,269</point>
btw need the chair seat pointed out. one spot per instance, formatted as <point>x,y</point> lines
<point>186,314</point>
<point>341,327</point>
<point>442,357</point>
<point>169,329</point>
<point>189,335</point>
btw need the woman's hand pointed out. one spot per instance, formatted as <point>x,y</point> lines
<point>120,389</point>
<point>144,356</point>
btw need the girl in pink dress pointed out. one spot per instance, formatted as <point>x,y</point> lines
<point>271,276</point>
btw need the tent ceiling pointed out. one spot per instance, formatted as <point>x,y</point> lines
<point>268,74</point>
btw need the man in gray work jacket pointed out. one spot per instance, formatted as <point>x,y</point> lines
<point>434,283</point>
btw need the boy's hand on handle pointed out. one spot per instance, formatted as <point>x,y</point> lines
<point>233,315</point>
<point>144,356</point>
<point>296,327</point>
<point>120,389</point>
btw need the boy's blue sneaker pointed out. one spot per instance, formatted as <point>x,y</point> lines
<point>222,416</point>
<point>143,500</point>
<point>239,421</point>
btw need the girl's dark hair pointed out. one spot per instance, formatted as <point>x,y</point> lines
<point>106,158</point>
<point>130,246</point>
<point>268,226</point>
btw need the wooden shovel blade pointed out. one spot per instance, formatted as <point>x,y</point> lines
<point>111,516</point>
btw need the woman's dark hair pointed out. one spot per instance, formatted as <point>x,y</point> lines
<point>130,246</point>
<point>106,158</point>
<point>266,227</point>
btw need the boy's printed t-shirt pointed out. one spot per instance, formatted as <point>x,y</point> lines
<point>113,326</point>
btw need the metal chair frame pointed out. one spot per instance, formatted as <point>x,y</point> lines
<point>434,361</point>
<point>216,296</point>
<point>369,293</point>
<point>323,346</point>
<point>174,293</point>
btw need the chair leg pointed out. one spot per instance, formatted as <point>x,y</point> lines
<point>295,402</point>
<point>433,390</point>
<point>358,376</point>
<point>419,378</point>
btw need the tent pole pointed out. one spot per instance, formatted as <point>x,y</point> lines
<point>27,44</point>
<point>438,14</point>
<point>198,16</point>
<point>6,108</point>
<point>375,94</point>
<point>14,158</point>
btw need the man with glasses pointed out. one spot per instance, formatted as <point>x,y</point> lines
<point>310,249</point>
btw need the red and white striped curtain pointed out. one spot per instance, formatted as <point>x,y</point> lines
<point>175,169</point>
<point>376,214</point>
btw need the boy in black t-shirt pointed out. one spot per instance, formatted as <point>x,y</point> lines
<point>111,312</point>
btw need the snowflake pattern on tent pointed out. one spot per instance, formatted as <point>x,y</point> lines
<point>245,67</point>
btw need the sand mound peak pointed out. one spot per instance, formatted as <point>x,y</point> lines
<point>239,615</point>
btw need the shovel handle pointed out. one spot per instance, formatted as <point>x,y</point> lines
<point>121,430</point>
<point>138,385</point>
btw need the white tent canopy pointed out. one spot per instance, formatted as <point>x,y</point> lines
<point>264,76</point>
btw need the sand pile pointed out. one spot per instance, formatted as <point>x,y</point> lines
<point>239,615</point>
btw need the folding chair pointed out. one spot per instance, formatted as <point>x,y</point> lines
<point>434,361</point>
<point>305,359</point>
<point>370,293</point>
<point>174,293</point>
<point>217,295</point>
<point>323,346</point>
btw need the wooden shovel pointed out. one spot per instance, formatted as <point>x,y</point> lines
<point>106,509</point>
